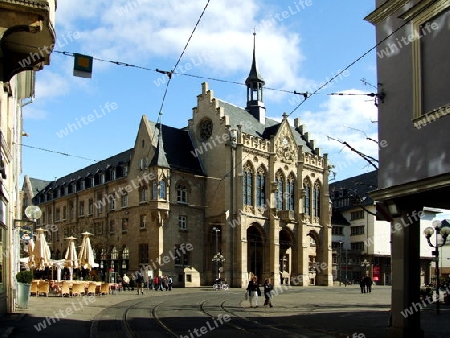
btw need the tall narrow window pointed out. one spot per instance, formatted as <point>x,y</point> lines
<point>91,206</point>
<point>290,193</point>
<point>143,253</point>
<point>143,221</point>
<point>182,222</point>
<point>307,198</point>
<point>124,200</point>
<point>154,190</point>
<point>248,186</point>
<point>316,202</point>
<point>260,189</point>
<point>280,192</point>
<point>181,193</point>
<point>162,189</point>
<point>144,193</point>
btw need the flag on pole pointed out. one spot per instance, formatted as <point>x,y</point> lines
<point>82,66</point>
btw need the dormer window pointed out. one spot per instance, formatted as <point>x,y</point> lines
<point>102,178</point>
<point>113,174</point>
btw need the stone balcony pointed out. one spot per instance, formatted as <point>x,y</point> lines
<point>27,35</point>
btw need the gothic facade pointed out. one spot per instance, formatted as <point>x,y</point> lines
<point>232,194</point>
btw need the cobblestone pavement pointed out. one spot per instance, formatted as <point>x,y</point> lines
<point>321,311</point>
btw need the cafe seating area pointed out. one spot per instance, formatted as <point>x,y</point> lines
<point>72,288</point>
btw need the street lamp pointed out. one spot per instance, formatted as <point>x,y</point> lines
<point>216,257</point>
<point>442,228</point>
<point>340,262</point>
<point>365,264</point>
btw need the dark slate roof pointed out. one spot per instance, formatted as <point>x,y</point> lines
<point>338,219</point>
<point>175,150</point>
<point>37,185</point>
<point>359,185</point>
<point>240,116</point>
<point>101,166</point>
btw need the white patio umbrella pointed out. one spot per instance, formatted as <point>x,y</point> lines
<point>71,259</point>
<point>30,248</point>
<point>86,253</point>
<point>41,251</point>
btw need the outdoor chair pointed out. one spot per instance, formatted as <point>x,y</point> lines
<point>65,289</point>
<point>43,287</point>
<point>78,289</point>
<point>34,288</point>
<point>91,289</point>
<point>104,289</point>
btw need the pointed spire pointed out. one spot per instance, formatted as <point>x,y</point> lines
<point>255,84</point>
<point>254,75</point>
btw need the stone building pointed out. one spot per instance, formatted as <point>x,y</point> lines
<point>414,169</point>
<point>27,37</point>
<point>234,193</point>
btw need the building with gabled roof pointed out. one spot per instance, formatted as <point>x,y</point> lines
<point>231,195</point>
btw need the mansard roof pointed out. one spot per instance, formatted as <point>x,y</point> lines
<point>355,188</point>
<point>174,149</point>
<point>242,117</point>
<point>101,166</point>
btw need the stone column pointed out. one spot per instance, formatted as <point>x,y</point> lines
<point>405,251</point>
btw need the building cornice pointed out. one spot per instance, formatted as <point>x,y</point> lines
<point>385,10</point>
<point>416,187</point>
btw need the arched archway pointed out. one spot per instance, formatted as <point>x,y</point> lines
<point>255,250</point>
<point>285,255</point>
<point>313,254</point>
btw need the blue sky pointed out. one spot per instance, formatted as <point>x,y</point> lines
<point>299,45</point>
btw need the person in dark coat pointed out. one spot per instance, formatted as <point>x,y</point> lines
<point>368,281</point>
<point>253,291</point>
<point>267,295</point>
<point>362,285</point>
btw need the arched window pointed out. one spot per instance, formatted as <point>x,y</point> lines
<point>316,201</point>
<point>181,193</point>
<point>261,189</point>
<point>307,198</point>
<point>248,185</point>
<point>280,191</point>
<point>290,193</point>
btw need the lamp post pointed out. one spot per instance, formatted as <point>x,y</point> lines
<point>340,262</point>
<point>365,264</point>
<point>443,229</point>
<point>216,256</point>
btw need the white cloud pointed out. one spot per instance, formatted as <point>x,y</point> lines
<point>146,31</point>
<point>348,119</point>
<point>50,84</point>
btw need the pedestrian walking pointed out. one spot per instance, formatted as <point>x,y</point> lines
<point>126,282</point>
<point>254,291</point>
<point>368,281</point>
<point>170,282</point>
<point>362,285</point>
<point>156,283</point>
<point>268,287</point>
<point>139,282</point>
<point>133,281</point>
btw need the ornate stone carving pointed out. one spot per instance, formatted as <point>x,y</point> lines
<point>285,149</point>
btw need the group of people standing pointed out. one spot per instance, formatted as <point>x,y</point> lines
<point>137,281</point>
<point>366,284</point>
<point>254,292</point>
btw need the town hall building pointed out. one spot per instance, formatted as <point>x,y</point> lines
<point>233,194</point>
